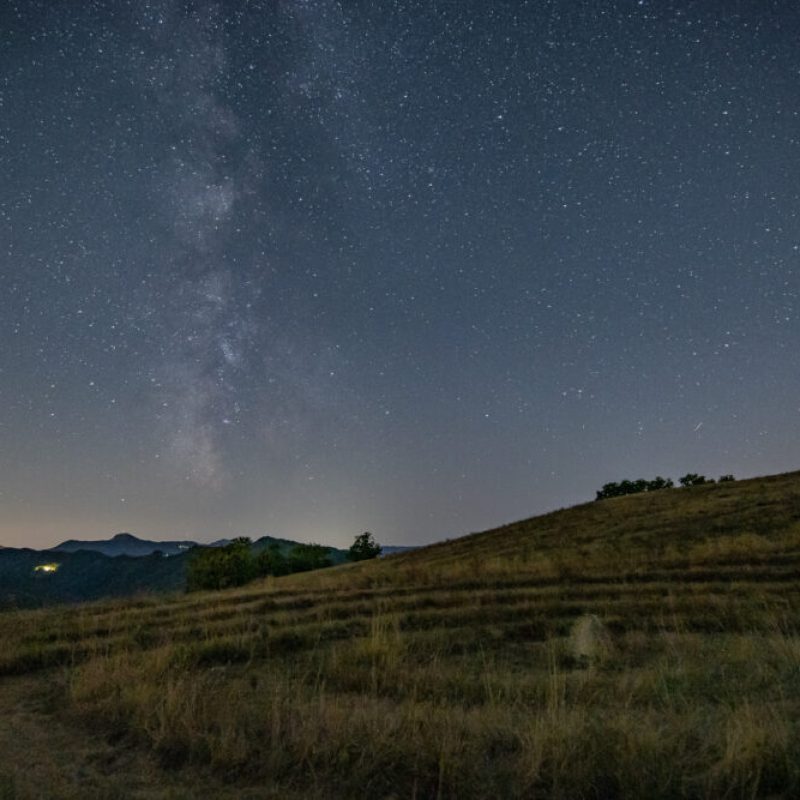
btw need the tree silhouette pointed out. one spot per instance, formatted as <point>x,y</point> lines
<point>363,548</point>
<point>693,479</point>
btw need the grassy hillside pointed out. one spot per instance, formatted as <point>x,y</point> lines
<point>643,646</point>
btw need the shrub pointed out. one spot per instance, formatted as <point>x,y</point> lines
<point>640,485</point>
<point>272,561</point>
<point>693,479</point>
<point>236,564</point>
<point>305,557</point>
<point>633,487</point>
<point>221,567</point>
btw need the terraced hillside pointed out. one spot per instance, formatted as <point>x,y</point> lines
<point>643,646</point>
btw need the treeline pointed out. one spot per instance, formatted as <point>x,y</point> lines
<point>236,563</point>
<point>658,483</point>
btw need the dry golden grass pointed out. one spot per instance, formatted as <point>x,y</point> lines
<point>640,647</point>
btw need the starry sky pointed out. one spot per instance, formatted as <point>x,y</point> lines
<point>313,267</point>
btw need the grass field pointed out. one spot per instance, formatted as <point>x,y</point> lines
<point>639,647</point>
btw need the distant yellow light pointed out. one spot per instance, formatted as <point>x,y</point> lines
<point>47,568</point>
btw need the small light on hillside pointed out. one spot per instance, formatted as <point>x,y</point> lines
<point>46,568</point>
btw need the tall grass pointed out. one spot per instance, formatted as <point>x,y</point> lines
<point>671,715</point>
<point>640,647</point>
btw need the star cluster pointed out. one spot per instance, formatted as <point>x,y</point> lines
<point>311,267</point>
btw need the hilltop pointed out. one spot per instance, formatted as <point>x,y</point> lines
<point>640,646</point>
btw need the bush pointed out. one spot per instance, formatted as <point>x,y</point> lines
<point>272,561</point>
<point>640,485</point>
<point>235,564</point>
<point>221,567</point>
<point>633,487</point>
<point>305,557</point>
<point>693,479</point>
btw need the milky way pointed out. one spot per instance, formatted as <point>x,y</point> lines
<point>310,268</point>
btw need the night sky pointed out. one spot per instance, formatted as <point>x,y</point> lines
<point>308,268</point>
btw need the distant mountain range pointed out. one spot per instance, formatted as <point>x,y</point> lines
<point>124,565</point>
<point>390,550</point>
<point>125,544</point>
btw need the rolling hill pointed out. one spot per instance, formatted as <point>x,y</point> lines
<point>641,646</point>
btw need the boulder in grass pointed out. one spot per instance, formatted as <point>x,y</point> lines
<point>590,642</point>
